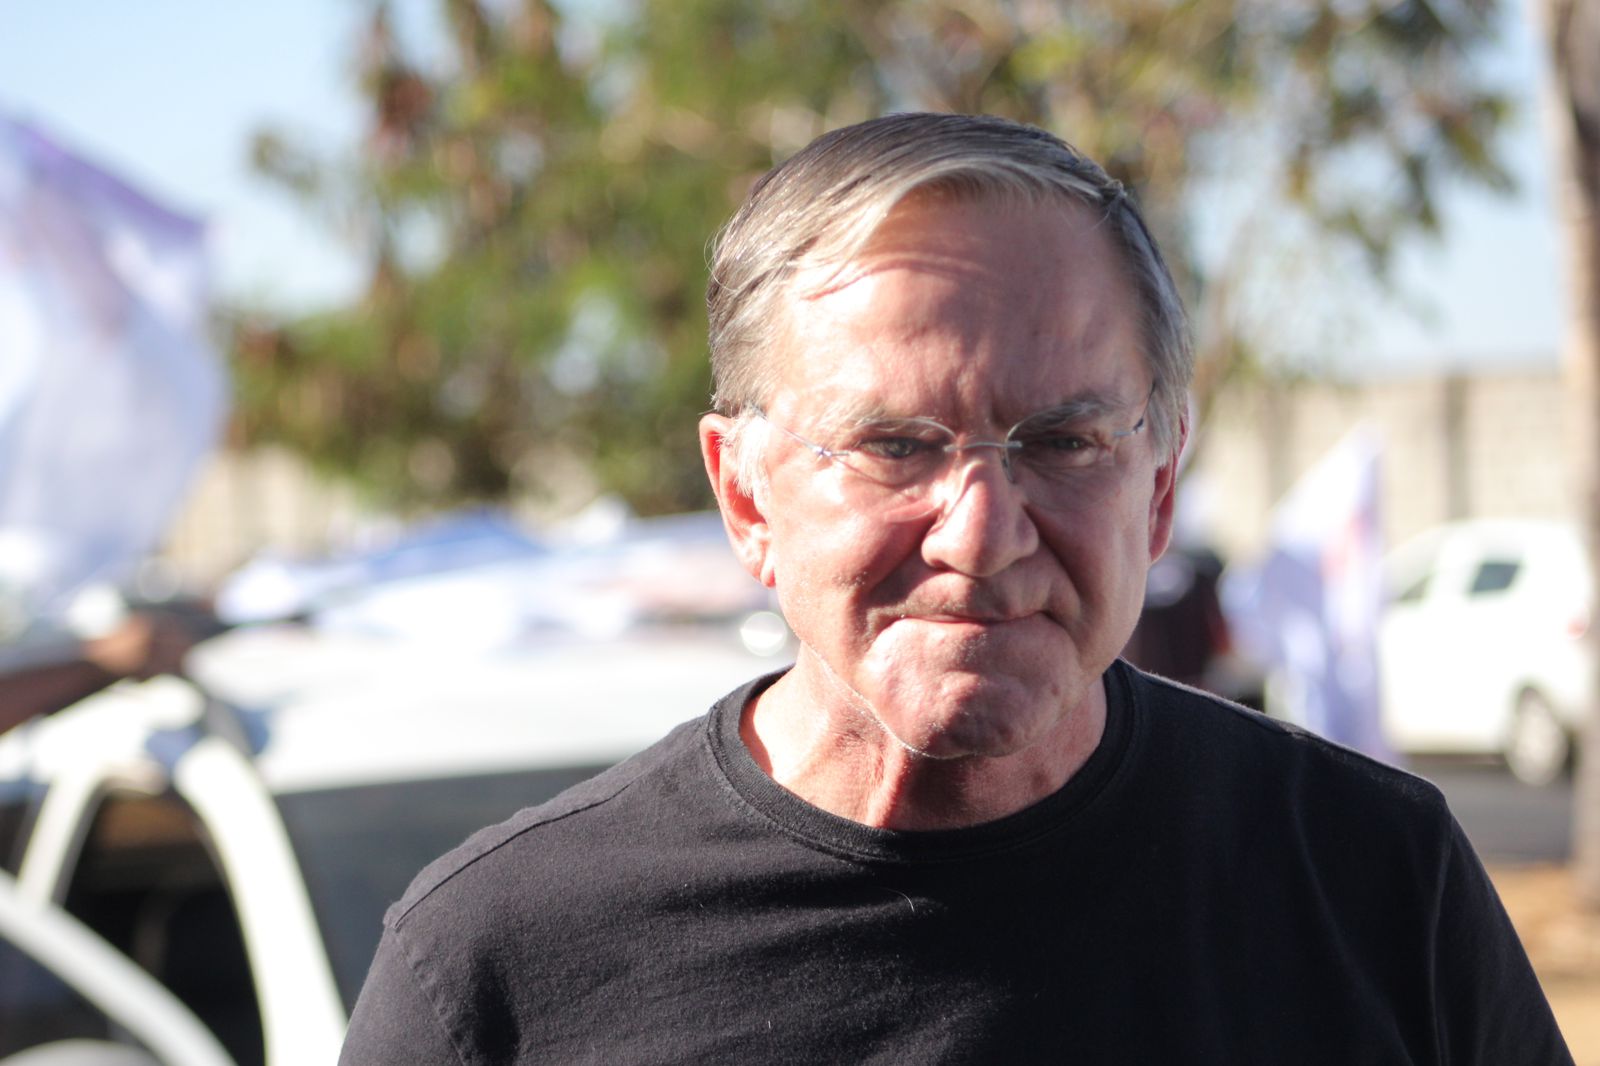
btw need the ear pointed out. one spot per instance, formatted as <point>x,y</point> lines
<point>742,513</point>
<point>1163,499</point>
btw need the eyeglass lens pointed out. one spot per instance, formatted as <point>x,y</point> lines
<point>906,469</point>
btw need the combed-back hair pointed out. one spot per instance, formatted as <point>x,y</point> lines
<point>823,205</point>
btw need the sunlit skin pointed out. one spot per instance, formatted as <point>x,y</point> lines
<point>949,668</point>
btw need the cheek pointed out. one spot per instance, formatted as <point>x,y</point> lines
<point>834,559</point>
<point>1104,553</point>
<point>1128,562</point>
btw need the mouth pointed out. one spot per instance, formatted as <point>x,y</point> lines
<point>964,608</point>
<point>961,618</point>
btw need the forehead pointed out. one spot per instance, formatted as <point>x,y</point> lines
<point>972,308</point>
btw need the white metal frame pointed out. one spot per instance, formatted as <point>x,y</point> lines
<point>108,979</point>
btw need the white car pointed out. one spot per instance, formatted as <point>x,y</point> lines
<point>1484,645</point>
<point>195,874</point>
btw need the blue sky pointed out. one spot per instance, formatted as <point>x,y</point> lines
<point>168,92</point>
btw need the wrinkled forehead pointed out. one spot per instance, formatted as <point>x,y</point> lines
<point>899,220</point>
<point>948,289</point>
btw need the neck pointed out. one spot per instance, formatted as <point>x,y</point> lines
<point>831,751</point>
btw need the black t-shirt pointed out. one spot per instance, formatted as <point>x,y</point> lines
<point>1211,887</point>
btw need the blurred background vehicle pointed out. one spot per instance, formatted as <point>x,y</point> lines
<point>1481,643</point>
<point>60,977</point>
<point>1183,633</point>
<point>54,667</point>
<point>214,852</point>
<point>238,837</point>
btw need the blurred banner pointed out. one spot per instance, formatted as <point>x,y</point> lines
<point>1310,610</point>
<point>110,394</point>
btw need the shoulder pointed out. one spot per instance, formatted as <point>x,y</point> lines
<point>1268,803</point>
<point>536,836</point>
<point>525,913</point>
<point>574,855</point>
<point>1241,751</point>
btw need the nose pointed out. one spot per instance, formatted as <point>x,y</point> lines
<point>981,526</point>
<point>1001,448</point>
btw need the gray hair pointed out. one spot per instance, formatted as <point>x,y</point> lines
<point>823,205</point>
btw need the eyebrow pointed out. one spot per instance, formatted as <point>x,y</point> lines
<point>851,413</point>
<point>1090,406</point>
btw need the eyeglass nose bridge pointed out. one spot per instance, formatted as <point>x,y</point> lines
<point>1005,447</point>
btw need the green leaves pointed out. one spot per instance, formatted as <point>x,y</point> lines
<point>537,211</point>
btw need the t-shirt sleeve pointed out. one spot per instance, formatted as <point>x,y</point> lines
<point>1491,1009</point>
<point>394,1021</point>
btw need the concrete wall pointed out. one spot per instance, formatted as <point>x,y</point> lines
<point>1494,443</point>
<point>243,503</point>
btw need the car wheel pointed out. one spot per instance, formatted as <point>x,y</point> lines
<point>1539,744</point>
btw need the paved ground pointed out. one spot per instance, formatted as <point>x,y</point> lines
<point>1507,821</point>
<point>1563,940</point>
<point>1525,837</point>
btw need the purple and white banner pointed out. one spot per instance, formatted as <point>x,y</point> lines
<point>110,393</point>
<point>1310,609</point>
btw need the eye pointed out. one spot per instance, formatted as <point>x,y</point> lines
<point>1063,448</point>
<point>1060,442</point>
<point>894,448</point>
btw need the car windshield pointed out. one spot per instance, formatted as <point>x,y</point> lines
<point>360,847</point>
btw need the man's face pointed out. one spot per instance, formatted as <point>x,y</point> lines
<point>975,629</point>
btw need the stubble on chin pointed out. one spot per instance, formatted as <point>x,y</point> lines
<point>970,695</point>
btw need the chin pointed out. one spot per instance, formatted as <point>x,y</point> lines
<point>976,716</point>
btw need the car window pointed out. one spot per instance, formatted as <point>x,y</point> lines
<point>15,809</point>
<point>1413,592</point>
<point>37,1007</point>
<point>147,883</point>
<point>1494,575</point>
<point>360,847</point>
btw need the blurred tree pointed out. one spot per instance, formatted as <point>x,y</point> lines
<point>1572,30</point>
<point>537,213</point>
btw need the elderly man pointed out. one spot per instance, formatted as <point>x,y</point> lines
<point>950,369</point>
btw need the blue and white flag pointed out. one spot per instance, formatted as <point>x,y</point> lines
<point>1310,609</point>
<point>110,394</point>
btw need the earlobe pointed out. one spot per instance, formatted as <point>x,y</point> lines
<point>1162,503</point>
<point>1163,499</point>
<point>743,515</point>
